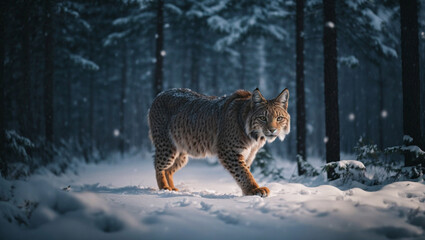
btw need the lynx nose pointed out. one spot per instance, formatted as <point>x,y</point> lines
<point>273,130</point>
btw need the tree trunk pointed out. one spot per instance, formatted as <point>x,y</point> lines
<point>91,110</point>
<point>243,70</point>
<point>423,94</point>
<point>25,115</point>
<point>183,81</point>
<point>331,84</point>
<point>410,74</point>
<point>3,162</point>
<point>367,107</point>
<point>300,98</point>
<point>262,63</point>
<point>133,135</point>
<point>48,71</point>
<point>68,100</point>
<point>159,72</point>
<point>354,104</point>
<point>381,107</point>
<point>214,79</point>
<point>194,65</point>
<point>123,100</point>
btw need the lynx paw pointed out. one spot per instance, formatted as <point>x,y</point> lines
<point>170,189</point>
<point>260,191</point>
<point>166,188</point>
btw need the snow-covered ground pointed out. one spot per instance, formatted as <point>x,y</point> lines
<point>119,200</point>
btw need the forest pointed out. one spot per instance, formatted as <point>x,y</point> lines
<point>78,78</point>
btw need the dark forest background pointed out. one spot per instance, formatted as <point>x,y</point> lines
<point>80,75</point>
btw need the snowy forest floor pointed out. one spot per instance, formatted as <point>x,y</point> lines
<point>119,200</point>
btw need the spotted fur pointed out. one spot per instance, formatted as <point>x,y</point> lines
<point>184,123</point>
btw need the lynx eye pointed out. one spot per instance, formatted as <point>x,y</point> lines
<point>263,118</point>
<point>280,118</point>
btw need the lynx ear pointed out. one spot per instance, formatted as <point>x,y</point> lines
<point>257,97</point>
<point>283,97</point>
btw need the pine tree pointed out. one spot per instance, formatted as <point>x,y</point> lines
<point>159,49</point>
<point>331,84</point>
<point>410,74</point>
<point>366,27</point>
<point>123,99</point>
<point>3,160</point>
<point>48,71</point>
<point>301,148</point>
<point>25,111</point>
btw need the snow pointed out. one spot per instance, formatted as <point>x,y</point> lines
<point>349,61</point>
<point>173,8</point>
<point>349,170</point>
<point>113,37</point>
<point>133,18</point>
<point>119,200</point>
<point>256,18</point>
<point>403,148</point>
<point>384,114</point>
<point>84,62</point>
<point>18,143</point>
<point>330,24</point>
<point>407,138</point>
<point>207,8</point>
<point>375,21</point>
<point>387,51</point>
<point>116,132</point>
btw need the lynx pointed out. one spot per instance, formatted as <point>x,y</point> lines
<point>184,123</point>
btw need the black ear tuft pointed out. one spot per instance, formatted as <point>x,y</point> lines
<point>283,97</point>
<point>257,97</point>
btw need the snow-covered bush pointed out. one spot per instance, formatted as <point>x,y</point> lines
<point>265,164</point>
<point>22,157</point>
<point>366,150</point>
<point>347,170</point>
<point>387,164</point>
<point>413,149</point>
<point>17,160</point>
<point>308,169</point>
<point>349,61</point>
<point>408,173</point>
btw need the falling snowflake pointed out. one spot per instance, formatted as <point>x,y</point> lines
<point>330,24</point>
<point>116,132</point>
<point>384,113</point>
<point>325,139</point>
<point>351,117</point>
<point>423,35</point>
<point>163,53</point>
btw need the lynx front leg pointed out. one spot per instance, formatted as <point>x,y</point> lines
<point>164,159</point>
<point>236,165</point>
<point>180,162</point>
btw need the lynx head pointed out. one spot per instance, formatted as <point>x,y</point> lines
<point>269,118</point>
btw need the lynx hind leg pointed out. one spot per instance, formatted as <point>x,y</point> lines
<point>165,155</point>
<point>180,162</point>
